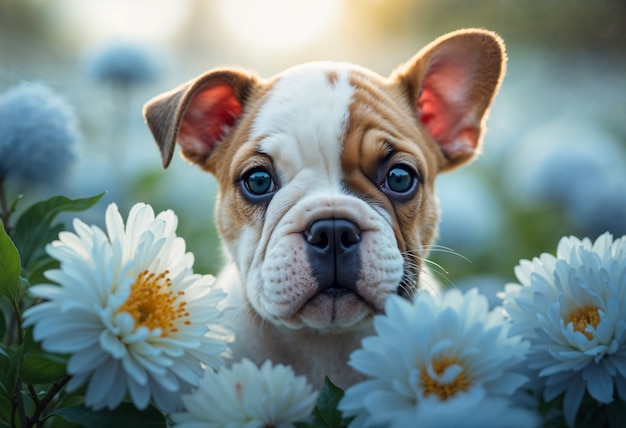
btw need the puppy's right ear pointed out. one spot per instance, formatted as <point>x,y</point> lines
<point>198,114</point>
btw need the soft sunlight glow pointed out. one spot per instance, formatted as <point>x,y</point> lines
<point>134,20</point>
<point>279,24</point>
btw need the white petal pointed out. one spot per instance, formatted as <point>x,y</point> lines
<point>573,398</point>
<point>599,383</point>
<point>87,360</point>
<point>99,392</point>
<point>111,344</point>
<point>140,394</point>
<point>134,370</point>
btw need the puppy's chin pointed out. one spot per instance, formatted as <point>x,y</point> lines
<point>336,310</point>
<point>333,310</point>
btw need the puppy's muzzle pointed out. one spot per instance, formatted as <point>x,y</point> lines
<point>333,249</point>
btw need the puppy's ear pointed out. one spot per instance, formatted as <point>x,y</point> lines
<point>198,114</point>
<point>451,83</point>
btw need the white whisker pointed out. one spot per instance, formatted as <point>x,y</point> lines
<point>413,267</point>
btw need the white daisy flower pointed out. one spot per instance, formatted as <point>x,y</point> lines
<point>246,396</point>
<point>129,311</point>
<point>447,360</point>
<point>572,309</point>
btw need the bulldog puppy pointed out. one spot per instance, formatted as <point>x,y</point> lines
<point>326,202</point>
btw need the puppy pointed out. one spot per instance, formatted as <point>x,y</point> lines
<point>326,200</point>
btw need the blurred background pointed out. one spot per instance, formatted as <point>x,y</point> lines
<point>554,156</point>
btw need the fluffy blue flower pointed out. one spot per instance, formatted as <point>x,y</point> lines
<point>572,309</point>
<point>577,166</point>
<point>123,64</point>
<point>445,362</point>
<point>38,134</point>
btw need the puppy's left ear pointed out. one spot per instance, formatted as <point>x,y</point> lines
<point>451,84</point>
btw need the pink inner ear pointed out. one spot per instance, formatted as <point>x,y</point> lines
<point>208,116</point>
<point>432,113</point>
<point>444,107</point>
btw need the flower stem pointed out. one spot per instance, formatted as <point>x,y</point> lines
<point>19,404</point>
<point>43,403</point>
<point>33,395</point>
<point>16,320</point>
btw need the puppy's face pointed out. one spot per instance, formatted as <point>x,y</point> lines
<point>326,171</point>
<point>326,201</point>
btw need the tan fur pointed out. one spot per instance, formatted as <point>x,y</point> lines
<point>390,121</point>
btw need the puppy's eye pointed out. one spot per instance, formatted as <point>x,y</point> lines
<point>400,180</point>
<point>258,182</point>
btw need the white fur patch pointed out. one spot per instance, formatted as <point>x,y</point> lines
<point>302,124</point>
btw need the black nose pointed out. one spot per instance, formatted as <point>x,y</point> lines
<point>333,251</point>
<point>337,235</point>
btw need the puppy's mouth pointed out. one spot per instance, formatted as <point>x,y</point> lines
<point>336,291</point>
<point>336,307</point>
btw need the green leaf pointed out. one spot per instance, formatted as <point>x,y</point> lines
<point>9,267</point>
<point>42,367</point>
<point>326,413</point>
<point>6,409</point>
<point>34,228</point>
<point>29,343</point>
<point>39,266</point>
<point>5,364</point>
<point>9,367</point>
<point>125,416</point>
<point>3,319</point>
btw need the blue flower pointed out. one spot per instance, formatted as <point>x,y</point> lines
<point>605,211</point>
<point>445,362</point>
<point>123,64</point>
<point>129,311</point>
<point>38,134</point>
<point>247,396</point>
<point>576,165</point>
<point>572,309</point>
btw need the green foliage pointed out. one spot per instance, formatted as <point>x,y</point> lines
<point>31,379</point>
<point>35,229</point>
<point>9,267</point>
<point>9,367</point>
<point>326,414</point>
<point>125,416</point>
<point>610,415</point>
<point>40,367</point>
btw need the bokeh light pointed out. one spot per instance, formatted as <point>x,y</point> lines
<point>278,25</point>
<point>146,20</point>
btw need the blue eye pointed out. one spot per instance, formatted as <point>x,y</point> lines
<point>399,179</point>
<point>258,182</point>
<point>400,182</point>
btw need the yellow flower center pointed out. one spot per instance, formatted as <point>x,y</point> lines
<point>153,304</point>
<point>583,317</point>
<point>444,390</point>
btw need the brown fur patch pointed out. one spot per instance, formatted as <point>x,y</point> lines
<point>383,130</point>
<point>233,212</point>
<point>332,77</point>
